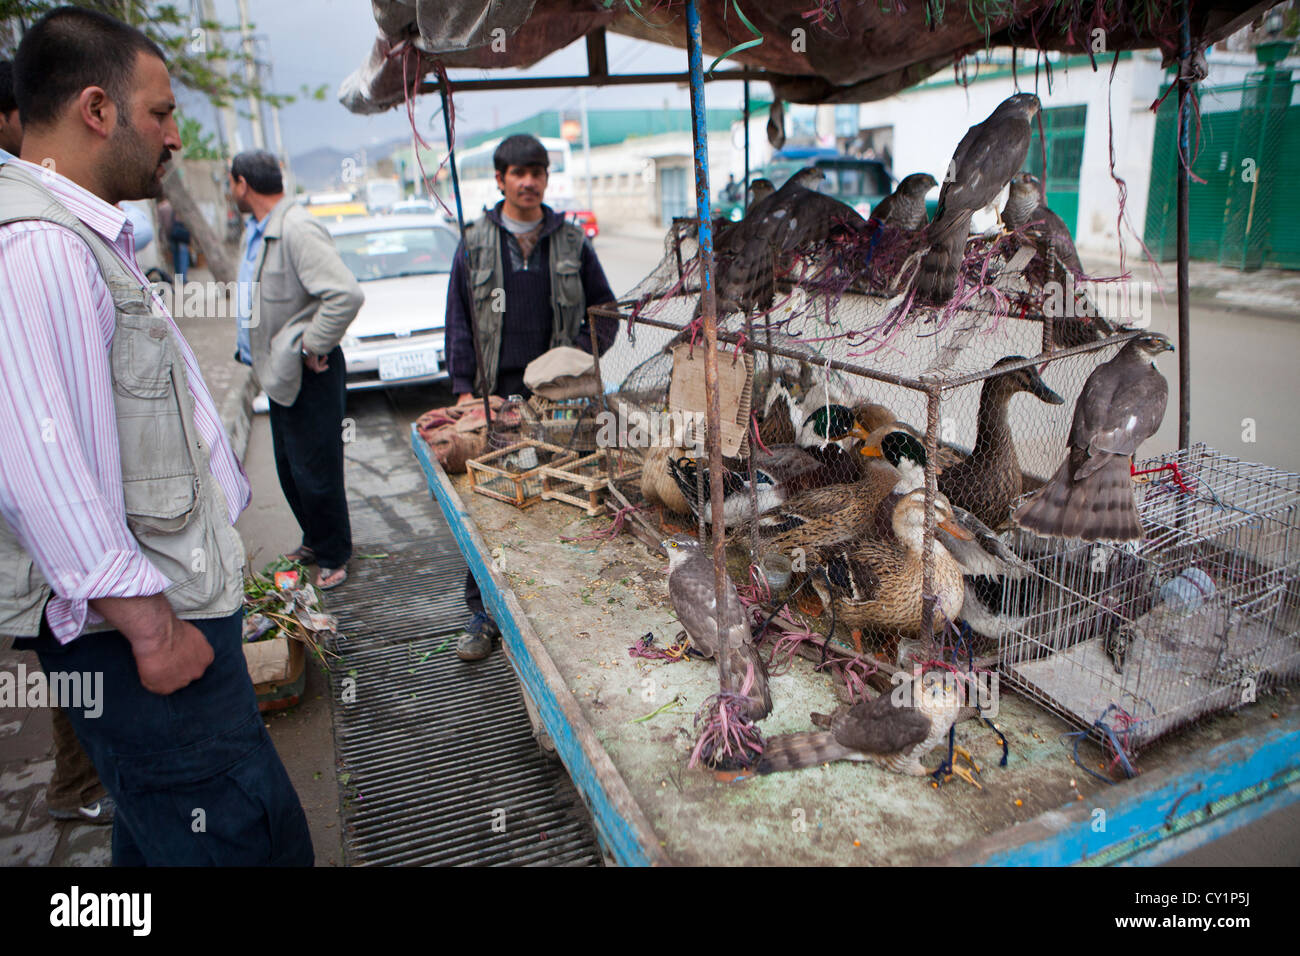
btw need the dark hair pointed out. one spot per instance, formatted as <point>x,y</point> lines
<point>260,170</point>
<point>70,49</point>
<point>7,102</point>
<point>520,150</point>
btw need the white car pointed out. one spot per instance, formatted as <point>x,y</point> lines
<point>403,264</point>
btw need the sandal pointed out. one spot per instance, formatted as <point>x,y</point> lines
<point>331,578</point>
<point>302,554</point>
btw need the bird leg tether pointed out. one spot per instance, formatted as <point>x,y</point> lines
<point>729,740</point>
<point>1172,467</point>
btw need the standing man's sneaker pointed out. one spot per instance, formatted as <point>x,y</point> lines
<point>475,642</point>
<point>99,813</point>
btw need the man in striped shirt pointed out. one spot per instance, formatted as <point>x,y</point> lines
<point>113,460</point>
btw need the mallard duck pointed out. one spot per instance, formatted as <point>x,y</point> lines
<point>737,499</point>
<point>876,586</point>
<point>987,564</point>
<point>657,484</point>
<point>989,479</point>
<point>777,427</point>
<point>835,513</point>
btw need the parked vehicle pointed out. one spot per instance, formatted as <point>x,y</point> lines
<point>861,183</point>
<point>403,263</point>
<point>586,219</point>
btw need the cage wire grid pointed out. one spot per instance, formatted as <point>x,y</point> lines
<point>929,366</point>
<point>1196,619</point>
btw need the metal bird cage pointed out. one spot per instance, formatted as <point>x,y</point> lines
<point>1196,619</point>
<point>837,328</point>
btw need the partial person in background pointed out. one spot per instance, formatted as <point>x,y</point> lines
<point>296,301</point>
<point>11,126</point>
<point>178,238</point>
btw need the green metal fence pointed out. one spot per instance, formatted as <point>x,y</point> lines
<point>1246,213</point>
<point>1063,128</point>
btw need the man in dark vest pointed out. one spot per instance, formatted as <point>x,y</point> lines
<point>523,277</point>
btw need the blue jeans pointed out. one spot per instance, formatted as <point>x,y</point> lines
<point>181,258</point>
<point>196,778</point>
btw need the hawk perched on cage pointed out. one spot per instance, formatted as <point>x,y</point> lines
<point>1120,407</point>
<point>894,730</point>
<point>986,158</point>
<point>904,208</point>
<point>795,219</point>
<point>1057,260</point>
<point>690,587</point>
<point>759,189</point>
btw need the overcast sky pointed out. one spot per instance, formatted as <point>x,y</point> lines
<point>310,42</point>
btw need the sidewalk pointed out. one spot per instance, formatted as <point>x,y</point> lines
<point>1275,291</point>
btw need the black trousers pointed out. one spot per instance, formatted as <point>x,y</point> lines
<point>510,382</point>
<point>308,440</point>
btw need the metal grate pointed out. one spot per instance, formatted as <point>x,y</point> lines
<point>442,765</point>
<point>432,751</point>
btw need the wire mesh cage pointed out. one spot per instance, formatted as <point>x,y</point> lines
<point>1195,619</point>
<point>984,387</point>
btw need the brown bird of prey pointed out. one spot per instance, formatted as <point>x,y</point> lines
<point>986,159</point>
<point>904,208</point>
<point>894,730</point>
<point>690,586</point>
<point>1120,407</point>
<point>794,219</point>
<point>759,189</point>
<point>1057,261</point>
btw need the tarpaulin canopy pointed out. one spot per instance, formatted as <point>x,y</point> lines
<point>811,51</point>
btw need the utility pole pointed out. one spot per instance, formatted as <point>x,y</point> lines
<point>250,76</point>
<point>229,122</point>
<point>586,142</point>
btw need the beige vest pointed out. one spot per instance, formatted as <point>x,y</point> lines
<point>175,509</point>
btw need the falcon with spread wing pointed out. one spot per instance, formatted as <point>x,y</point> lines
<point>690,587</point>
<point>796,219</point>
<point>1057,261</point>
<point>986,159</point>
<point>1120,407</point>
<point>904,208</point>
<point>894,730</point>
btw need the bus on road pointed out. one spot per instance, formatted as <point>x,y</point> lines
<point>478,185</point>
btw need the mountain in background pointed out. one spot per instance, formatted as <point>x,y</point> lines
<point>323,169</point>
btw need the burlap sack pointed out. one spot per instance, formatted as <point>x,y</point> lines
<point>455,433</point>
<point>563,372</point>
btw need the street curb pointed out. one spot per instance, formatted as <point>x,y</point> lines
<point>237,410</point>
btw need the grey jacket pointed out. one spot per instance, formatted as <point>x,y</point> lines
<point>305,299</point>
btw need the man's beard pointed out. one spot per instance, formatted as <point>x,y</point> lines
<point>131,165</point>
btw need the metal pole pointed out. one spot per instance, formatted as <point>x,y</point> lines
<point>229,123</point>
<point>708,312</point>
<point>586,144</point>
<point>250,75</point>
<point>460,221</point>
<point>746,111</point>
<point>1184,294</point>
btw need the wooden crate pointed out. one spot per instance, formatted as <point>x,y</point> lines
<point>582,482</point>
<point>570,423</point>
<point>514,474</point>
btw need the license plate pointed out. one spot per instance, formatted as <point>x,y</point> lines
<point>408,364</point>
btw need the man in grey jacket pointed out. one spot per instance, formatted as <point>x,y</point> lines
<point>296,301</point>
